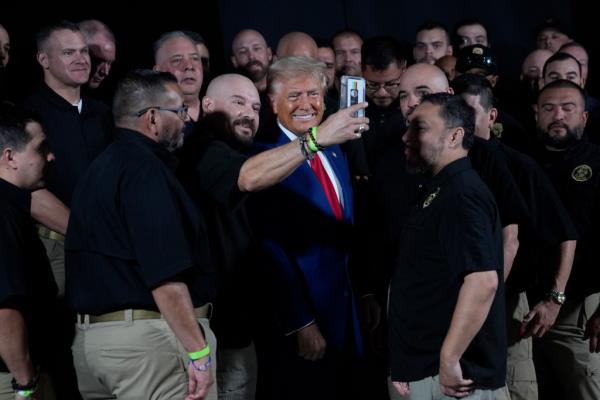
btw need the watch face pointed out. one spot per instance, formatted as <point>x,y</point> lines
<point>558,297</point>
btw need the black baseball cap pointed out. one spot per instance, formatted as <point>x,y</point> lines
<point>476,56</point>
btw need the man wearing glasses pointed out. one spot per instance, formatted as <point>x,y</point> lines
<point>382,66</point>
<point>138,267</point>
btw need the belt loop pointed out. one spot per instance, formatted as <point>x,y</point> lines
<point>209,312</point>
<point>86,321</point>
<point>128,316</point>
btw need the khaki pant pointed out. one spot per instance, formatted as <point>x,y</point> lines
<point>430,389</point>
<point>44,389</point>
<point>565,367</point>
<point>133,360</point>
<point>237,373</point>
<point>55,250</point>
<point>520,370</point>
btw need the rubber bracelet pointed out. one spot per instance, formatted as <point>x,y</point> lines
<point>195,355</point>
<point>203,367</point>
<point>311,144</point>
<point>25,393</point>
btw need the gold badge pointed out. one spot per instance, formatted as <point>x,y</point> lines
<point>430,198</point>
<point>582,173</point>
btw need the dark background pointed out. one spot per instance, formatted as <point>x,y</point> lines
<point>137,24</point>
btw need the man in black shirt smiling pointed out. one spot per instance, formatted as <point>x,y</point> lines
<point>447,293</point>
<point>138,270</point>
<point>27,288</point>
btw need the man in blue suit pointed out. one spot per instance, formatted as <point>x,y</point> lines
<point>305,224</point>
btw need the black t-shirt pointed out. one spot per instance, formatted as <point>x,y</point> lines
<point>575,174</point>
<point>209,170</point>
<point>74,138</point>
<point>132,228</point>
<point>454,230</point>
<point>26,280</point>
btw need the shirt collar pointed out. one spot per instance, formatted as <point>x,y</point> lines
<point>21,198</point>
<point>156,148</point>
<point>59,101</point>
<point>450,170</point>
<point>292,136</point>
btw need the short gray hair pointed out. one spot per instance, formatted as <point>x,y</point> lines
<point>165,37</point>
<point>140,89</point>
<point>292,67</point>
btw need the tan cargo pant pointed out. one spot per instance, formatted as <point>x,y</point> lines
<point>133,360</point>
<point>565,367</point>
<point>520,370</point>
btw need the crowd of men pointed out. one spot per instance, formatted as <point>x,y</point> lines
<point>244,237</point>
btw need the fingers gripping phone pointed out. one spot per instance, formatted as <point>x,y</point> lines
<point>352,91</point>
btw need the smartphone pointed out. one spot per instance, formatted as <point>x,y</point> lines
<point>352,91</point>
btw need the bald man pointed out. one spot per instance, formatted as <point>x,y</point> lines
<point>532,67</point>
<point>297,44</point>
<point>417,81</point>
<point>251,56</point>
<point>231,107</point>
<point>237,98</point>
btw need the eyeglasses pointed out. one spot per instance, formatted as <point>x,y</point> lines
<point>389,86</point>
<point>182,112</point>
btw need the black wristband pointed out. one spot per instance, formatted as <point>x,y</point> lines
<point>31,385</point>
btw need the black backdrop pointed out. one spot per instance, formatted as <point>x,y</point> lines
<point>138,23</point>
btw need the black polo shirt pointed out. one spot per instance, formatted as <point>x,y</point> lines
<point>26,280</point>
<point>548,224</point>
<point>454,230</point>
<point>575,174</point>
<point>74,138</point>
<point>493,170</point>
<point>132,228</point>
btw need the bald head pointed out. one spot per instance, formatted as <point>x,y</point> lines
<point>297,44</point>
<point>235,96</point>
<point>448,65</point>
<point>534,64</point>
<point>419,80</point>
<point>251,56</point>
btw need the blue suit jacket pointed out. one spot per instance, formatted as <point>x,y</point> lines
<point>307,250</point>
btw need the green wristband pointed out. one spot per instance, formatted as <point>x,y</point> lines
<point>195,355</point>
<point>25,393</point>
<point>311,144</point>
